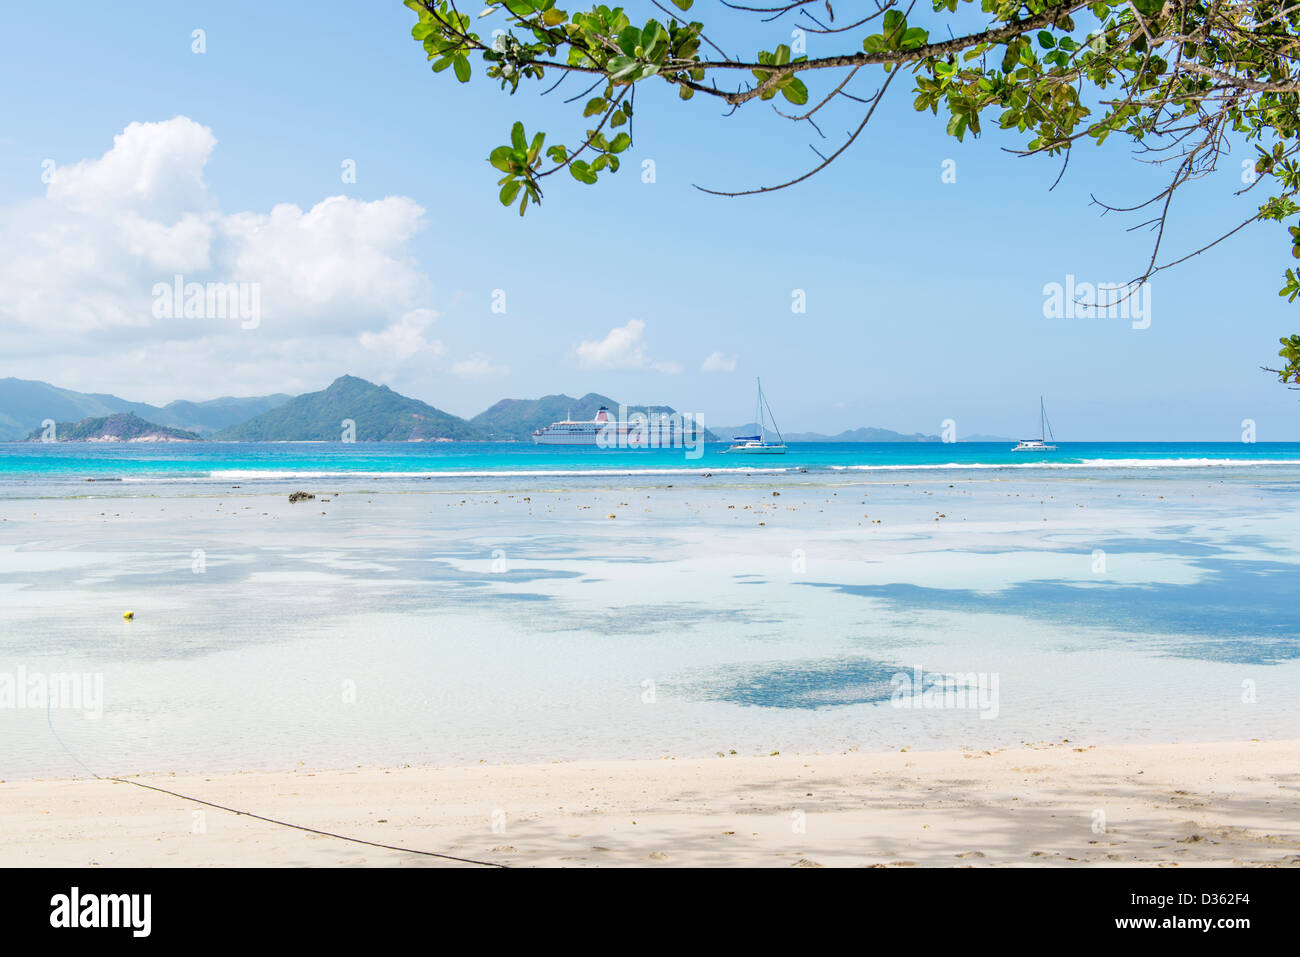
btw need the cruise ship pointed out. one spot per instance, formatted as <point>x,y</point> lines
<point>637,431</point>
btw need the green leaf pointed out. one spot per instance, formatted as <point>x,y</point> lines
<point>509,191</point>
<point>913,38</point>
<point>500,158</point>
<point>462,68</point>
<point>582,172</point>
<point>517,138</point>
<point>795,91</point>
<point>620,67</point>
<point>683,4</point>
<point>620,143</point>
<point>595,105</point>
<point>628,39</point>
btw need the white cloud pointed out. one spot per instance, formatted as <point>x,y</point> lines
<point>338,288</point>
<point>340,260</point>
<point>622,348</point>
<point>406,337</point>
<point>717,362</point>
<point>478,366</point>
<point>155,169</point>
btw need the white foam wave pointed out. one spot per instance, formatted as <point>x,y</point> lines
<point>1081,464</point>
<point>473,473</point>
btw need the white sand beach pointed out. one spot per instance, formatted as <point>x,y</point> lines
<point>1053,803</point>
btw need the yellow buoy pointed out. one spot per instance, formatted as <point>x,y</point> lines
<point>128,615</point>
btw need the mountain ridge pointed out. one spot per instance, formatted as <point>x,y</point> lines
<point>25,403</point>
<point>376,410</point>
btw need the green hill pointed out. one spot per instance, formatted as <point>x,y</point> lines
<point>120,427</point>
<point>515,419</point>
<point>380,415</point>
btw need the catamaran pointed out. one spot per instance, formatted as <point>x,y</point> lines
<point>1044,430</point>
<point>758,444</point>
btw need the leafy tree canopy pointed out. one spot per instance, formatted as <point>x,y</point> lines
<point>1179,78</point>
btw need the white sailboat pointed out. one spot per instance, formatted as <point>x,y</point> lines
<point>1039,444</point>
<point>758,444</point>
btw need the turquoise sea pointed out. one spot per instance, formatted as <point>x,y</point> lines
<point>26,463</point>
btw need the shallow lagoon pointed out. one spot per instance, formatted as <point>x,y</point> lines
<point>508,619</point>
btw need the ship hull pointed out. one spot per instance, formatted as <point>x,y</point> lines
<point>562,439</point>
<point>610,439</point>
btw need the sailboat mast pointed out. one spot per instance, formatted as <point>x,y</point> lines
<point>779,436</point>
<point>758,411</point>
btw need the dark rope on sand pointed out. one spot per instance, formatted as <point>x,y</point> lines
<point>269,820</point>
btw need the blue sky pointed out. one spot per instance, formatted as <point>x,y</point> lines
<point>925,298</point>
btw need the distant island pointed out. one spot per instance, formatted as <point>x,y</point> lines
<point>122,427</point>
<point>350,408</point>
<point>854,435</point>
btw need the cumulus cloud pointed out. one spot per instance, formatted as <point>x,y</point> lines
<point>717,362</point>
<point>478,366</point>
<point>155,169</point>
<point>82,268</point>
<point>623,347</point>
<point>405,337</point>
